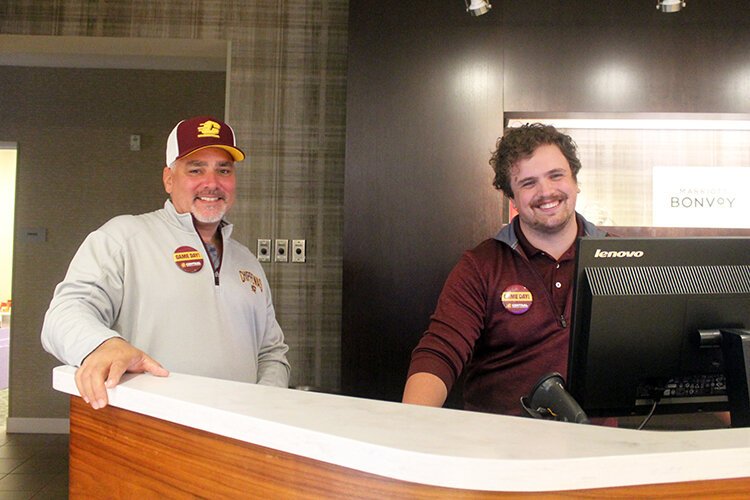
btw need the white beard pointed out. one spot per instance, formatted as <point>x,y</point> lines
<point>209,216</point>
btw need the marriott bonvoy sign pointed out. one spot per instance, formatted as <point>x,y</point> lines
<point>701,197</point>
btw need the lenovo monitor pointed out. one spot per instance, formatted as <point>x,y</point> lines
<point>650,323</point>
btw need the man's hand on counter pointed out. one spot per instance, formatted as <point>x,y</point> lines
<point>103,368</point>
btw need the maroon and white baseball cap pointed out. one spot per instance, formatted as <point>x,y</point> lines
<point>201,132</point>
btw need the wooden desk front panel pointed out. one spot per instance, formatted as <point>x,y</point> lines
<point>115,453</point>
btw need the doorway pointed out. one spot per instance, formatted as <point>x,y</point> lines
<point>8,155</point>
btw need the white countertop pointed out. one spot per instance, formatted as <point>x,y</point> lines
<point>434,446</point>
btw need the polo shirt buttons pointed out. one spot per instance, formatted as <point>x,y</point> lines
<point>558,285</point>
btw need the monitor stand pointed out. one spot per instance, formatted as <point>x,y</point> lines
<point>735,345</point>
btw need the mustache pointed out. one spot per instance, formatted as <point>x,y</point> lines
<point>211,193</point>
<point>549,198</point>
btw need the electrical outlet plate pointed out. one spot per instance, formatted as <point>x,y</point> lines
<point>35,234</point>
<point>282,251</point>
<point>264,250</point>
<point>298,250</point>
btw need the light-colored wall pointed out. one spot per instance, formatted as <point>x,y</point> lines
<point>7,201</point>
<point>286,87</point>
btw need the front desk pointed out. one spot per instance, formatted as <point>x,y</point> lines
<point>185,436</point>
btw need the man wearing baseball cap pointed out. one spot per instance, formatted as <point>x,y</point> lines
<point>170,285</point>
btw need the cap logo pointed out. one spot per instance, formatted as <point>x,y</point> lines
<point>209,129</point>
<point>200,132</point>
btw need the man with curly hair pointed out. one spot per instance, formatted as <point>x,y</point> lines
<point>503,317</point>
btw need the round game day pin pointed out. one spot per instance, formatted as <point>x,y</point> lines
<point>188,259</point>
<point>517,299</point>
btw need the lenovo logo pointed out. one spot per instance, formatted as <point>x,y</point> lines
<point>601,254</point>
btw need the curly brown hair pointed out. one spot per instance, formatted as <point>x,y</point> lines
<point>520,143</point>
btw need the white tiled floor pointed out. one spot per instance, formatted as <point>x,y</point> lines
<point>32,465</point>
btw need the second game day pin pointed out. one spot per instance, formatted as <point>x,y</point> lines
<point>517,299</point>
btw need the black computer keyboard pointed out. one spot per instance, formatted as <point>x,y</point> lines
<point>684,387</point>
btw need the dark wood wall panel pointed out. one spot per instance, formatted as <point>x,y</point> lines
<point>423,110</point>
<point>573,55</point>
<point>627,69</point>
<point>427,88</point>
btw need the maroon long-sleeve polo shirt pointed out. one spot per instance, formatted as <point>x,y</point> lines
<point>505,342</point>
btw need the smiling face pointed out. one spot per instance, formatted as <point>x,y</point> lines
<point>203,184</point>
<point>545,192</point>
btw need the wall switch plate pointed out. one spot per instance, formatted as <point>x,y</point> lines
<point>264,250</point>
<point>282,251</point>
<point>298,250</point>
<point>34,234</point>
<point>135,142</point>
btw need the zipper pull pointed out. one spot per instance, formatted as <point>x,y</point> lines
<point>563,322</point>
